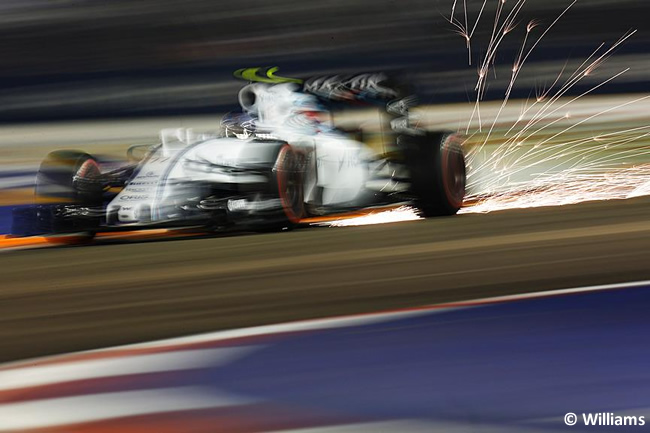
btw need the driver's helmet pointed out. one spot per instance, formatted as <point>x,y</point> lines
<point>308,112</point>
<point>238,125</point>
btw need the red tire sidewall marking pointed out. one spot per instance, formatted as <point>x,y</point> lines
<point>281,177</point>
<point>86,167</point>
<point>445,159</point>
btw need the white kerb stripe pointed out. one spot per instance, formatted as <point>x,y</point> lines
<point>138,364</point>
<point>97,407</point>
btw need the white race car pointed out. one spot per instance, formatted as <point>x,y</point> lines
<point>277,162</point>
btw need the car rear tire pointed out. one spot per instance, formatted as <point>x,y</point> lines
<point>438,174</point>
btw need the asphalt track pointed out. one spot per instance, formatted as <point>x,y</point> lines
<point>58,300</point>
<point>508,364</point>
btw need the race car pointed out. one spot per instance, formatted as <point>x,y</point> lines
<point>270,166</point>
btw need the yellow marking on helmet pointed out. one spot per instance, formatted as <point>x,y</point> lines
<point>250,74</point>
<point>271,74</point>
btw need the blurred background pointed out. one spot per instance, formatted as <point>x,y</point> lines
<point>70,59</point>
<point>103,75</point>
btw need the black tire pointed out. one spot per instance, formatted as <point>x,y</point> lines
<point>60,183</point>
<point>288,183</point>
<point>438,174</point>
<point>55,180</point>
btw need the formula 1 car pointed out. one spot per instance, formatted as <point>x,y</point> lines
<point>278,161</point>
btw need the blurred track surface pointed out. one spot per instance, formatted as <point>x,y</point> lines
<point>67,299</point>
<point>511,364</point>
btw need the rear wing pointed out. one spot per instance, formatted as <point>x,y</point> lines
<point>391,92</point>
<point>371,88</point>
<point>367,87</point>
